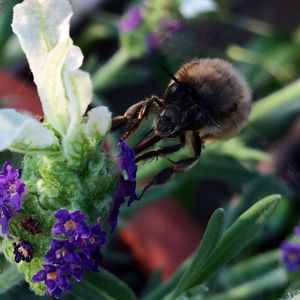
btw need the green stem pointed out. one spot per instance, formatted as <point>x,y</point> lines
<point>106,73</point>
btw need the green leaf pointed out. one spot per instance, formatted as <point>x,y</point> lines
<point>152,283</point>
<point>250,269</point>
<point>261,186</point>
<point>102,286</point>
<point>165,288</point>
<point>234,239</point>
<point>195,293</point>
<point>276,278</point>
<point>210,239</point>
<point>9,276</point>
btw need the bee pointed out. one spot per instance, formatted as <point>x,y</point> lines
<point>206,99</point>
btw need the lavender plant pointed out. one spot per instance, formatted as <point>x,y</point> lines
<point>63,166</point>
<point>54,212</point>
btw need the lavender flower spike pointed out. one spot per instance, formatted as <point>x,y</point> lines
<point>11,194</point>
<point>131,20</point>
<point>290,255</point>
<point>126,188</point>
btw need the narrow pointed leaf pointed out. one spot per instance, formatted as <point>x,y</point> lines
<point>209,241</point>
<point>102,286</point>
<point>9,277</point>
<point>237,237</point>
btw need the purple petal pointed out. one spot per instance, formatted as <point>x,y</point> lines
<point>51,285</point>
<point>5,216</point>
<point>290,255</point>
<point>58,228</point>
<point>62,215</point>
<point>77,216</point>
<point>77,273</point>
<point>131,20</point>
<point>56,293</point>
<point>39,276</point>
<point>297,230</point>
<point>63,283</point>
<point>154,42</point>
<point>82,230</point>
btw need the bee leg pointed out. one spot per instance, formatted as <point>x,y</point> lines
<point>162,151</point>
<point>179,166</point>
<point>134,115</point>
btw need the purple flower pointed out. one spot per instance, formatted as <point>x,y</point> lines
<point>297,230</point>
<point>56,279</point>
<point>73,256</point>
<point>71,224</point>
<point>125,189</point>
<point>126,159</point>
<point>5,215</point>
<point>9,180</point>
<point>61,252</point>
<point>93,242</point>
<point>11,194</point>
<point>91,263</point>
<point>153,42</point>
<point>131,20</point>
<point>23,251</point>
<point>290,255</point>
<point>170,26</point>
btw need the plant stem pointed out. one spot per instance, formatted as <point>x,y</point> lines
<point>106,73</point>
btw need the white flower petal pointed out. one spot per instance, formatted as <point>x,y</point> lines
<point>78,87</point>
<point>42,27</point>
<point>23,133</point>
<point>191,8</point>
<point>99,121</point>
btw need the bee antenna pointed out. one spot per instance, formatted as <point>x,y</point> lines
<point>168,72</point>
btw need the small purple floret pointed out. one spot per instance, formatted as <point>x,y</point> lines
<point>56,279</point>
<point>23,251</point>
<point>11,194</point>
<point>171,26</point>
<point>126,187</point>
<point>131,20</point>
<point>126,159</point>
<point>71,257</point>
<point>61,252</point>
<point>153,42</point>
<point>290,255</point>
<point>5,216</point>
<point>297,230</point>
<point>71,224</point>
<point>93,242</point>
